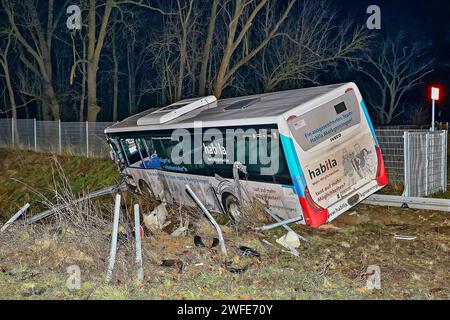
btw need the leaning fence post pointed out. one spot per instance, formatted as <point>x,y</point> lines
<point>15,217</point>
<point>210,217</point>
<point>35,135</point>
<point>137,236</point>
<point>87,139</point>
<point>112,253</point>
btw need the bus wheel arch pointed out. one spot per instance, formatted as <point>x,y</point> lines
<point>231,205</point>
<point>145,189</point>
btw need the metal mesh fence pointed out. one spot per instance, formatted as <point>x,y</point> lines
<point>425,163</point>
<point>424,152</point>
<point>392,147</point>
<point>77,138</point>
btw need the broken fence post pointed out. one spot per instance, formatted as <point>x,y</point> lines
<point>137,236</point>
<point>275,217</point>
<point>280,223</point>
<point>15,217</point>
<point>112,254</point>
<point>210,217</point>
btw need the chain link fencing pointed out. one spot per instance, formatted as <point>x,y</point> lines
<point>414,159</point>
<point>76,138</point>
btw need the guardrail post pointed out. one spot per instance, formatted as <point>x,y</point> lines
<point>87,139</point>
<point>35,134</point>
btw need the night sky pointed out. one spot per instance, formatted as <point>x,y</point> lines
<point>425,21</point>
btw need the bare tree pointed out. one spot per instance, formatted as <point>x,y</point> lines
<point>239,23</point>
<point>312,41</point>
<point>36,37</point>
<point>206,53</point>
<point>394,68</point>
<point>4,62</point>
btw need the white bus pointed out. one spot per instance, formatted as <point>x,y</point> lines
<point>309,153</point>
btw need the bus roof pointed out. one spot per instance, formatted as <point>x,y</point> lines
<point>257,109</point>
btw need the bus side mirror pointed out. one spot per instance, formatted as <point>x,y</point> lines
<point>112,155</point>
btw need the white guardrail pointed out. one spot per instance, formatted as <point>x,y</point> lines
<point>409,202</point>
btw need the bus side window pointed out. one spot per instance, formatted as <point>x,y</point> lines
<point>133,151</point>
<point>278,172</point>
<point>152,161</point>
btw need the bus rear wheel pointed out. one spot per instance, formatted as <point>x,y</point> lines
<point>232,207</point>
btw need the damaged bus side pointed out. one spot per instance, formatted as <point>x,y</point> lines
<point>309,153</point>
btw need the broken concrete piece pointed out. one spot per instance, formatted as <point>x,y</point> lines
<point>156,220</point>
<point>180,231</point>
<point>290,240</point>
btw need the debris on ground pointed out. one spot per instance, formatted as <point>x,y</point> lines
<point>408,238</point>
<point>156,220</point>
<point>289,240</point>
<point>248,252</point>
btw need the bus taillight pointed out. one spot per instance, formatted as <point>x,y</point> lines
<point>381,178</point>
<point>314,214</point>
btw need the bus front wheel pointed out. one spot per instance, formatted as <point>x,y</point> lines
<point>232,207</point>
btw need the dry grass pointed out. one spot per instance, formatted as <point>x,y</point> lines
<point>34,258</point>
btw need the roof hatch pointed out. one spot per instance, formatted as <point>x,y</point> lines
<point>177,109</point>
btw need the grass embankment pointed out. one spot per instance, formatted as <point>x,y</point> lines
<point>36,171</point>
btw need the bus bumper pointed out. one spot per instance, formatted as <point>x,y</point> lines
<point>362,193</point>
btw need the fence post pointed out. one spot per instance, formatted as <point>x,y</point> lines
<point>35,135</point>
<point>59,141</point>
<point>444,160</point>
<point>427,138</point>
<point>87,139</point>
<point>406,184</point>
<point>12,131</point>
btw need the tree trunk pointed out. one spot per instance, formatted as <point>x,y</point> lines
<point>115,74</point>
<point>207,49</point>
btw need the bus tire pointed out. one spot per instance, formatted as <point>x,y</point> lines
<point>145,190</point>
<point>232,207</point>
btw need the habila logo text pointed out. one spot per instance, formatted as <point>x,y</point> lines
<point>215,149</point>
<point>323,167</point>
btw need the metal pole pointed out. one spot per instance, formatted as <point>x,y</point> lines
<point>137,236</point>
<point>275,217</point>
<point>87,139</point>
<point>35,135</point>
<point>13,133</point>
<point>432,116</point>
<point>406,164</point>
<point>281,223</point>
<point>14,217</point>
<point>210,217</point>
<point>59,141</point>
<point>112,253</point>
